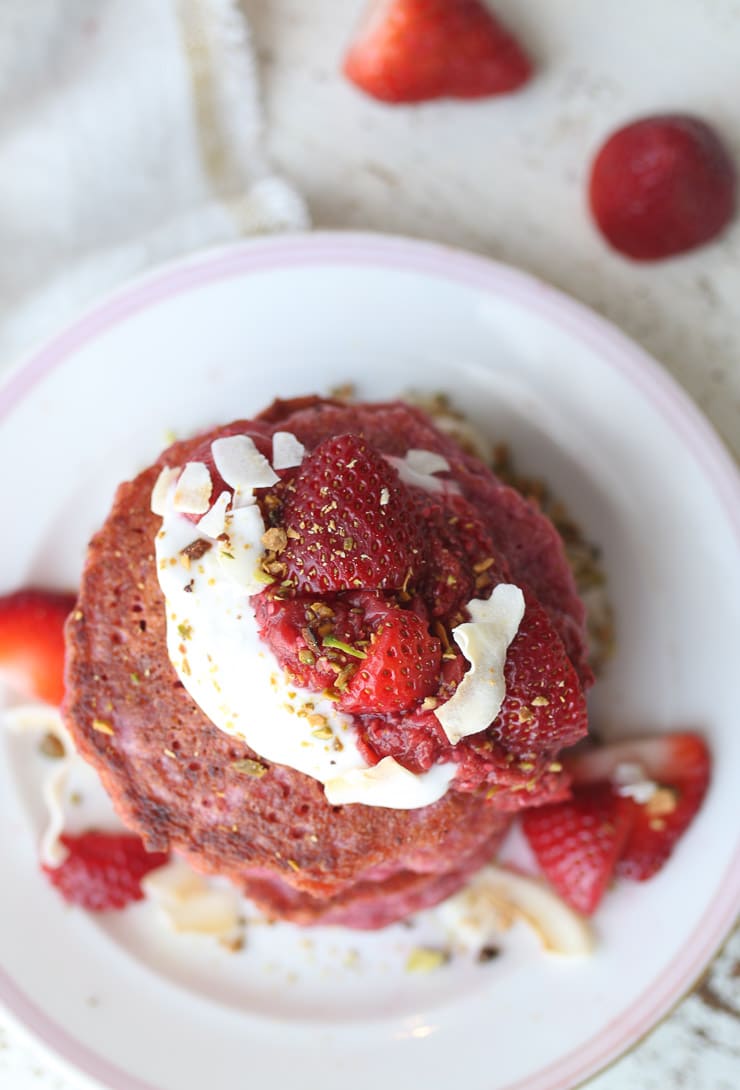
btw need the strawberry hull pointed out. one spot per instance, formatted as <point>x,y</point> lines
<point>373,629</point>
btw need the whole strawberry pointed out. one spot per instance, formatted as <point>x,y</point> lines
<point>661,186</point>
<point>350,522</point>
<point>103,870</point>
<point>414,50</point>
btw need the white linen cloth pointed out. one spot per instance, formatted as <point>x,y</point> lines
<point>130,133</point>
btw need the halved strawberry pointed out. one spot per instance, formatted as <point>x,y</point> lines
<point>32,642</point>
<point>413,50</point>
<point>577,842</point>
<point>402,667</point>
<point>103,870</point>
<point>666,779</point>
<point>350,522</point>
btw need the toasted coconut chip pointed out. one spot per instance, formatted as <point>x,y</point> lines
<point>53,852</point>
<point>287,450</point>
<point>242,466</point>
<point>241,552</point>
<point>418,467</point>
<point>426,461</point>
<point>44,718</point>
<point>497,897</point>
<point>191,904</point>
<point>162,488</point>
<point>193,491</point>
<point>631,781</point>
<point>484,641</point>
<point>213,522</point>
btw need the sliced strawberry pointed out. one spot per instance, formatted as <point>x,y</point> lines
<point>401,668</point>
<point>350,522</point>
<point>413,50</point>
<point>674,770</point>
<point>661,186</point>
<point>32,642</point>
<point>545,708</point>
<point>103,870</point>
<point>578,842</point>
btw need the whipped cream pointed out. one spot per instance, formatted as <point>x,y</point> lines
<point>214,646</point>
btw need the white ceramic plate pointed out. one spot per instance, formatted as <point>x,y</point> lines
<point>217,337</point>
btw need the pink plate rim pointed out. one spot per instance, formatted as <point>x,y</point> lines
<point>357,250</point>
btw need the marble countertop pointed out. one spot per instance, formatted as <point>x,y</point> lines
<point>506,178</point>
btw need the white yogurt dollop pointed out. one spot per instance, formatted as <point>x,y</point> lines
<point>214,646</point>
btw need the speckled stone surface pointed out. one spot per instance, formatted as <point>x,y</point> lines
<point>506,178</point>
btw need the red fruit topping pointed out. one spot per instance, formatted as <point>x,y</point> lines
<point>401,667</point>
<point>351,523</point>
<point>544,708</point>
<point>319,642</point>
<point>577,842</point>
<point>413,50</point>
<point>679,765</point>
<point>103,870</point>
<point>32,642</point>
<point>661,186</point>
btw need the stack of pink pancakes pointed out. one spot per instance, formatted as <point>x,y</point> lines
<point>179,781</point>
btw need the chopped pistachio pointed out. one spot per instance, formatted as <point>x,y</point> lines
<point>426,959</point>
<point>249,767</point>
<point>340,645</point>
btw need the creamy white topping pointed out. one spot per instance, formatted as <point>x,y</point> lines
<point>382,784</point>
<point>214,646</point>
<point>484,641</point>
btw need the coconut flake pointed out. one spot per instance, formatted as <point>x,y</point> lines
<point>287,450</point>
<point>190,904</point>
<point>53,852</point>
<point>193,491</point>
<point>213,522</point>
<point>632,782</point>
<point>242,467</point>
<point>242,550</point>
<point>390,784</point>
<point>426,461</point>
<point>497,897</point>
<point>418,467</point>
<point>162,488</point>
<point>484,641</point>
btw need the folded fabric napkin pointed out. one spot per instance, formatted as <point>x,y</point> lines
<point>130,133</point>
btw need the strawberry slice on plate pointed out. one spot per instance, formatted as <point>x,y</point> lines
<point>32,642</point>
<point>577,842</point>
<point>665,777</point>
<point>415,50</point>
<point>631,803</point>
<point>103,870</point>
